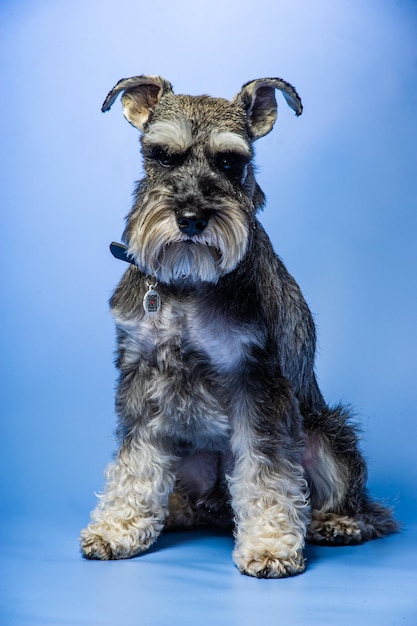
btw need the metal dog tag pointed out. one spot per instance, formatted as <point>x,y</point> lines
<point>151,301</point>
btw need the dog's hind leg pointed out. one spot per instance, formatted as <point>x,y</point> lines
<point>132,510</point>
<point>342,513</point>
<point>201,496</point>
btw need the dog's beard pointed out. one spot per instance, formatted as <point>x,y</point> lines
<point>160,249</point>
<point>188,261</point>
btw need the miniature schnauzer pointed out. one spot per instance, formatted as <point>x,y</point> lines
<point>221,420</point>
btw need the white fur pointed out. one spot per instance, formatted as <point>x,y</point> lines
<point>131,511</point>
<point>271,512</point>
<point>227,141</point>
<point>225,345</point>
<point>173,134</point>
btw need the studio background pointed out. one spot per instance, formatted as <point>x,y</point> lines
<point>341,211</point>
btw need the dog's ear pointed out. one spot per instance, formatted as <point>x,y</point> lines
<point>140,96</point>
<point>258,100</point>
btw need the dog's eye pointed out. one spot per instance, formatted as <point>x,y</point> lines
<point>165,162</point>
<point>224,163</point>
<point>233,165</point>
<point>165,159</point>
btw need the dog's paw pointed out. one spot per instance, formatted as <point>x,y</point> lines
<point>181,512</point>
<point>123,541</point>
<point>95,547</point>
<point>266,565</point>
<point>335,530</point>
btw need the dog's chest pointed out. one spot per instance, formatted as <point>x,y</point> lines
<point>224,343</point>
<point>190,331</point>
<point>188,357</point>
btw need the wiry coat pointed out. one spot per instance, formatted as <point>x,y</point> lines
<point>220,416</point>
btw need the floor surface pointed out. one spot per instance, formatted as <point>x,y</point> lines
<point>188,578</point>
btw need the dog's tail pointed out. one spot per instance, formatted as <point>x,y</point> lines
<point>378,520</point>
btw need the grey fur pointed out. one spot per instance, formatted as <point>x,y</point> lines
<point>221,420</point>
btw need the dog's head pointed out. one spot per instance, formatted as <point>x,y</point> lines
<point>194,213</point>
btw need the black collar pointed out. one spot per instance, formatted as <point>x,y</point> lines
<point>119,251</point>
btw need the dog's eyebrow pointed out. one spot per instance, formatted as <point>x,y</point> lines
<point>227,141</point>
<point>172,134</point>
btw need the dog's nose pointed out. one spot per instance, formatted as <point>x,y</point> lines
<point>192,225</point>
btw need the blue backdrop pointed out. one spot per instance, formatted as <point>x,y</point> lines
<point>342,212</point>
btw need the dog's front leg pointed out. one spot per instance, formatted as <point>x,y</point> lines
<point>269,493</point>
<point>131,511</point>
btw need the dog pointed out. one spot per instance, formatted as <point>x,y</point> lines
<point>220,418</point>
